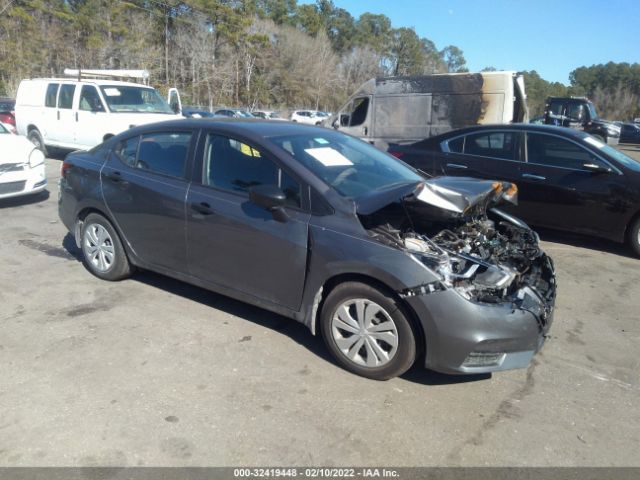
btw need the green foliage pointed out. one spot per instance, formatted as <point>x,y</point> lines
<point>265,53</point>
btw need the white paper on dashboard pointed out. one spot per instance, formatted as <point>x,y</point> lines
<point>112,92</point>
<point>329,157</point>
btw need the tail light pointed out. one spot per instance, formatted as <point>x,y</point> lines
<point>64,168</point>
<point>397,154</point>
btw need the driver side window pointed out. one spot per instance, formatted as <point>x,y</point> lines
<point>235,166</point>
<point>90,100</point>
<point>553,151</point>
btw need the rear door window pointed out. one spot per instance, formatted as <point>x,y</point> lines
<point>502,145</point>
<point>65,99</point>
<point>127,150</point>
<point>52,94</point>
<point>164,153</point>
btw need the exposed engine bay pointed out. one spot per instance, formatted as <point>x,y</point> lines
<point>487,255</point>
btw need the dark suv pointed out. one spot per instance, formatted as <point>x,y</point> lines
<point>323,228</point>
<point>580,113</point>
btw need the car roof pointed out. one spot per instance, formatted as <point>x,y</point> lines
<point>531,127</point>
<point>255,127</point>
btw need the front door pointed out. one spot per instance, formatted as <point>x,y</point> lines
<point>236,244</point>
<point>90,118</point>
<point>144,184</point>
<point>355,119</point>
<point>561,191</point>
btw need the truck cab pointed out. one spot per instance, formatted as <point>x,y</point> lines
<point>580,113</point>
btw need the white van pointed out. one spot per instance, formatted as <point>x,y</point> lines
<point>80,114</point>
<point>408,109</point>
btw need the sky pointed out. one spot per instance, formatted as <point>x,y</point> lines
<point>552,37</point>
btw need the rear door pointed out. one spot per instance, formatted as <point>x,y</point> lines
<point>145,185</point>
<point>491,154</point>
<point>237,244</point>
<point>559,192</point>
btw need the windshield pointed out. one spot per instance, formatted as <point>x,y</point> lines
<point>349,165</point>
<point>134,99</point>
<point>592,111</point>
<point>3,130</point>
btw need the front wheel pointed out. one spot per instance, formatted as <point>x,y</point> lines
<point>367,332</point>
<point>634,237</point>
<point>35,138</point>
<point>103,253</point>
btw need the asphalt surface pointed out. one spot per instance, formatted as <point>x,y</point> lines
<point>151,371</point>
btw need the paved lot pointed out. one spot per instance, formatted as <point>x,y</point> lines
<point>150,371</point>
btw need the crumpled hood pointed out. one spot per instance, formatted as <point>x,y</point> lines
<point>455,196</point>
<point>14,149</point>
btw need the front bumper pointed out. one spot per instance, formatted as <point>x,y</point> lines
<point>467,337</point>
<point>22,180</point>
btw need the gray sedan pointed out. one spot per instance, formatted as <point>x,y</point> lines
<point>388,266</point>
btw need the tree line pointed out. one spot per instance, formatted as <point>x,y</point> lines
<point>255,53</point>
<point>267,53</point>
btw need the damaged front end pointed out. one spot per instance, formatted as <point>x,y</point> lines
<point>489,258</point>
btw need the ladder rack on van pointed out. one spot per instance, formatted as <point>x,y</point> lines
<point>112,74</point>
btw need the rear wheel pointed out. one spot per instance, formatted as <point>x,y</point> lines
<point>35,138</point>
<point>634,237</point>
<point>367,332</point>
<point>103,253</point>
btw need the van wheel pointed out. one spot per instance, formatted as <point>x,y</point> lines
<point>102,251</point>
<point>634,237</point>
<point>367,332</point>
<point>35,138</point>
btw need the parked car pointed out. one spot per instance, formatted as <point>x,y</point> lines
<point>309,117</point>
<point>232,113</point>
<point>195,112</point>
<point>9,127</point>
<point>630,133</point>
<point>7,111</point>
<point>79,114</point>
<point>22,169</point>
<point>267,115</point>
<point>323,228</point>
<point>567,179</point>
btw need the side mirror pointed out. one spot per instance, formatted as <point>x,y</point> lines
<point>335,124</point>
<point>271,198</point>
<point>595,168</point>
<point>344,120</point>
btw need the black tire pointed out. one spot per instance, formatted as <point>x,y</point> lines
<point>35,138</point>
<point>405,353</point>
<point>118,267</point>
<point>633,237</point>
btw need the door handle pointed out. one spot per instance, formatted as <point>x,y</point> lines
<point>116,177</point>
<point>534,177</point>
<point>203,208</point>
<point>365,130</point>
<point>76,116</point>
<point>58,114</point>
<point>457,165</point>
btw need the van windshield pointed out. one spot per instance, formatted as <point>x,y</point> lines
<point>134,99</point>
